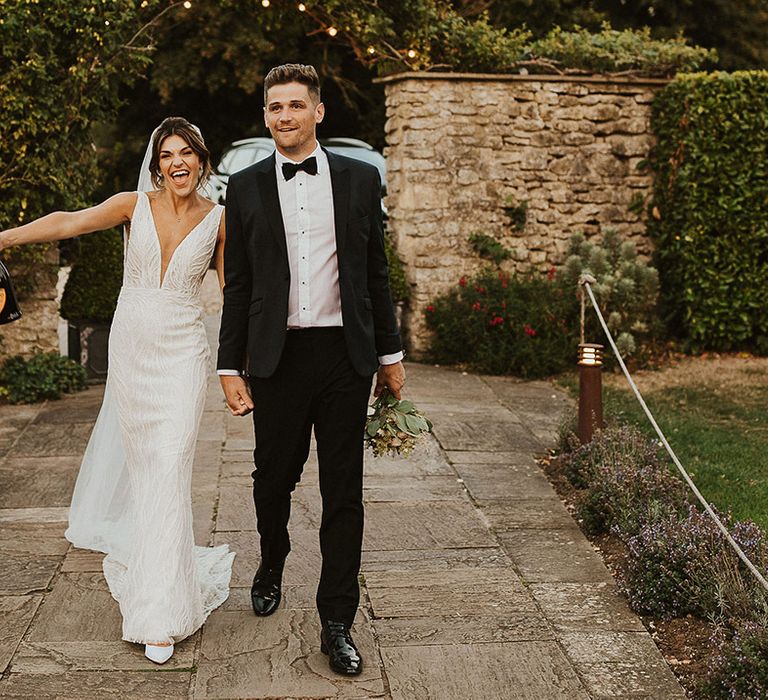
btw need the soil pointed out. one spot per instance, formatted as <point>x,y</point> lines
<point>684,642</point>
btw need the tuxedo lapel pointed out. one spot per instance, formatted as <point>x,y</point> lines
<point>340,184</point>
<point>267,184</point>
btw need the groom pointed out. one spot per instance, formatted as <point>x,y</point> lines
<point>307,320</point>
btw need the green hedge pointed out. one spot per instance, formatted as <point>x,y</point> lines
<point>709,215</point>
<point>40,377</point>
<point>94,282</point>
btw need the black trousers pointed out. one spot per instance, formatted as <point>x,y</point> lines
<point>313,386</point>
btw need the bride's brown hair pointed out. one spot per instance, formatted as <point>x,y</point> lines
<point>178,126</point>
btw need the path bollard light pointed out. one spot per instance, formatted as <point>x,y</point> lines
<point>590,390</point>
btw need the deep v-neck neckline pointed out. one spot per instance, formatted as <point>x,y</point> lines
<point>178,245</point>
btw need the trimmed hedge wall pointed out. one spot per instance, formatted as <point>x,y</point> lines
<point>709,215</point>
<point>94,283</point>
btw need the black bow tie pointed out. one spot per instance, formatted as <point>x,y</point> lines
<point>309,166</point>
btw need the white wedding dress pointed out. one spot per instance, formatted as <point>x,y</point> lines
<point>132,499</point>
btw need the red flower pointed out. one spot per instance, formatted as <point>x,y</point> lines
<point>552,272</point>
<point>476,306</point>
<point>430,308</point>
<point>480,290</point>
<point>463,282</point>
<point>496,321</point>
<point>504,284</point>
<point>530,332</point>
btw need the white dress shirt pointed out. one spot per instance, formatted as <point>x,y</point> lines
<point>314,299</point>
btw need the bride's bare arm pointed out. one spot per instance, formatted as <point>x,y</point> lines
<point>67,224</point>
<point>219,259</point>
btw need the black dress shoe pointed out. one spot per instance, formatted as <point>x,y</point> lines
<point>265,591</point>
<point>337,643</point>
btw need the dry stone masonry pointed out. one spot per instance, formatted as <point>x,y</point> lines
<point>36,331</point>
<point>528,160</point>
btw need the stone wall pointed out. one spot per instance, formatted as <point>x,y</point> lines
<point>37,329</point>
<point>466,151</point>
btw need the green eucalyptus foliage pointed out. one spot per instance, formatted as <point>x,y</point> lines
<point>710,208</point>
<point>95,279</point>
<point>62,63</point>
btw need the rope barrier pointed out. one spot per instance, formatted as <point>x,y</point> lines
<point>584,281</point>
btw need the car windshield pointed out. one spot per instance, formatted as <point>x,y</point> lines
<point>372,157</point>
<point>241,157</point>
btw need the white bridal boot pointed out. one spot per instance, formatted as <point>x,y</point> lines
<point>158,654</point>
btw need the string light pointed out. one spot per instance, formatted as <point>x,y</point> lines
<point>371,50</point>
<point>106,22</point>
<point>302,7</point>
<point>265,3</point>
<point>411,53</point>
<point>188,4</point>
<point>333,31</point>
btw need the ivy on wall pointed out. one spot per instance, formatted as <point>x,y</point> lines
<point>709,214</point>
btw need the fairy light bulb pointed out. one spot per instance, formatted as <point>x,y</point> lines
<point>302,7</point>
<point>265,3</point>
<point>411,53</point>
<point>332,31</point>
<point>188,5</point>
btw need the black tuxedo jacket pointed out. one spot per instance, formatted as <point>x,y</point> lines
<point>257,276</point>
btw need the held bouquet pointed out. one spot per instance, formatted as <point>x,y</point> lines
<point>394,426</point>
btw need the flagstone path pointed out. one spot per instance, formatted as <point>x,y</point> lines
<point>476,581</point>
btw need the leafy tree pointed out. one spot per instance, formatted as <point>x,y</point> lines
<point>736,29</point>
<point>62,63</point>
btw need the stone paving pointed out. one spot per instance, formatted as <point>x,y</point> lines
<point>477,582</point>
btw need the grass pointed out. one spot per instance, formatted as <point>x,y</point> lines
<point>713,412</point>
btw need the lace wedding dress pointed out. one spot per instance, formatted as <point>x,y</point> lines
<point>132,499</point>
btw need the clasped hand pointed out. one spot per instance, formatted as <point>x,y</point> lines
<point>237,394</point>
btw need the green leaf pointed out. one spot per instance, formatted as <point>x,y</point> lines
<point>414,424</point>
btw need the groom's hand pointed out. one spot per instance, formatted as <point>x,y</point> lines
<point>237,394</point>
<point>392,377</point>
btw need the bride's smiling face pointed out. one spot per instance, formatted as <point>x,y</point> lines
<point>179,165</point>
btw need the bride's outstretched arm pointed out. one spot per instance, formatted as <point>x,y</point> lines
<point>219,255</point>
<point>67,224</point>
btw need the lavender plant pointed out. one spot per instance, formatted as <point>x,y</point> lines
<point>680,566</point>
<point>739,667</point>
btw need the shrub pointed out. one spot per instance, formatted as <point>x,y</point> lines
<point>398,285</point>
<point>62,66</point>
<point>739,668</point>
<point>43,376</point>
<point>502,324</point>
<point>612,50</point>
<point>626,289</point>
<point>94,282</point>
<point>679,566</point>
<point>710,207</point>
<point>627,484</point>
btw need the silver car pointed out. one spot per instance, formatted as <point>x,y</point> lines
<point>246,152</point>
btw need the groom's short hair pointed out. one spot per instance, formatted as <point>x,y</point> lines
<point>294,73</point>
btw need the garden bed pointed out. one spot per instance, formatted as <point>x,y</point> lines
<point>631,505</point>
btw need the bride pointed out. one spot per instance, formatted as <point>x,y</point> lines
<point>132,499</point>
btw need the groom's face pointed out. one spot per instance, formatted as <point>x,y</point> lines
<point>292,116</point>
